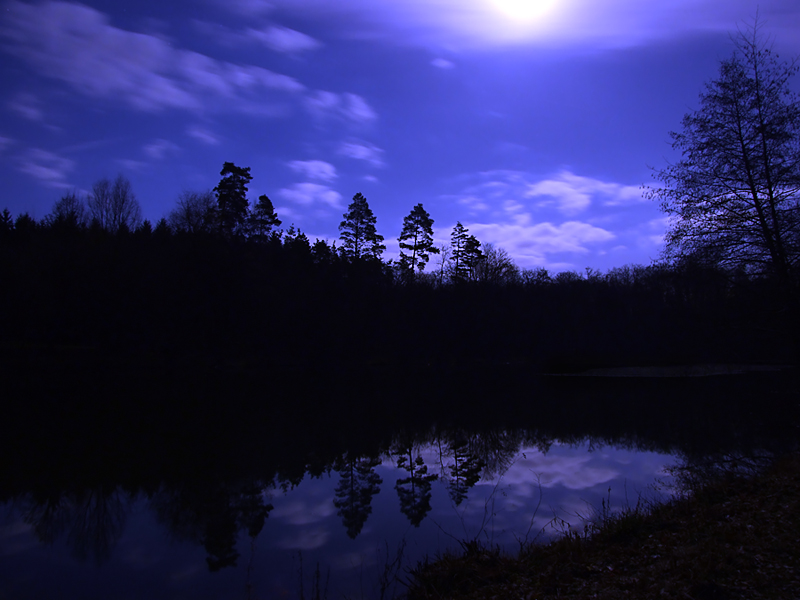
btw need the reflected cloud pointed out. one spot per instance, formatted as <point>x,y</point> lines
<point>299,512</point>
<point>306,539</point>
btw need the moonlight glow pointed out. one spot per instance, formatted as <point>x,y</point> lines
<point>523,10</point>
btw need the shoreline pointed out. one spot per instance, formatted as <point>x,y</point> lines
<point>737,537</point>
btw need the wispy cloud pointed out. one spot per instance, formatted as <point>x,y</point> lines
<point>350,107</point>
<point>283,39</point>
<point>50,169</point>
<point>362,151</point>
<point>27,106</point>
<point>78,45</point>
<point>202,134</point>
<point>159,149</point>
<point>5,142</point>
<point>442,63</point>
<point>536,220</point>
<point>534,244</point>
<point>308,194</point>
<point>314,169</point>
<point>274,37</point>
<point>573,194</point>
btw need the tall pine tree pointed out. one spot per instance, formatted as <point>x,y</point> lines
<point>232,199</point>
<point>360,238</point>
<point>417,236</point>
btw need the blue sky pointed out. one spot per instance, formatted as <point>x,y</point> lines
<point>533,123</point>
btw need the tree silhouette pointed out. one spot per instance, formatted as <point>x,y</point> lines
<point>360,238</point>
<point>417,236</point>
<point>94,521</point>
<point>734,196</point>
<point>69,212</point>
<point>232,199</point>
<point>358,483</point>
<point>113,206</point>
<point>466,252</point>
<point>263,218</point>
<point>495,266</point>
<point>414,491</point>
<point>464,472</point>
<point>6,223</point>
<point>195,212</point>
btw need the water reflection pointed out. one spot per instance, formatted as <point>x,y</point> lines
<point>360,502</point>
<point>93,520</point>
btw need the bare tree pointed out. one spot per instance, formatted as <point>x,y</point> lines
<point>114,205</point>
<point>195,212</point>
<point>69,211</point>
<point>496,266</point>
<point>734,197</point>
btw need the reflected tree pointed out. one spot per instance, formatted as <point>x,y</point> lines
<point>414,491</point>
<point>358,483</point>
<point>93,520</point>
<point>465,470</point>
<point>213,518</point>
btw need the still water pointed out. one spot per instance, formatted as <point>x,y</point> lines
<point>337,485</point>
<point>350,532</point>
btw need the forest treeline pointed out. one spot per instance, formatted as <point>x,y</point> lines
<point>217,281</point>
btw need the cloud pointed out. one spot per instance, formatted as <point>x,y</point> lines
<point>442,63</point>
<point>50,169</point>
<point>311,193</point>
<point>349,107</point>
<point>5,143</point>
<point>362,151</point>
<point>77,44</point>
<point>132,165</point>
<point>283,39</point>
<point>28,106</point>
<point>314,169</point>
<point>474,203</point>
<point>202,134</point>
<point>573,194</point>
<point>538,240</point>
<point>159,149</point>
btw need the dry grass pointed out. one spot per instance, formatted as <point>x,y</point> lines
<point>736,538</point>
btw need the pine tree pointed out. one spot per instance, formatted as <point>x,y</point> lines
<point>417,236</point>
<point>263,218</point>
<point>359,237</point>
<point>232,199</point>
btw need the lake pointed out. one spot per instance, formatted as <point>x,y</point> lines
<point>167,494</point>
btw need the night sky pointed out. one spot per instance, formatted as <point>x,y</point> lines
<point>533,123</point>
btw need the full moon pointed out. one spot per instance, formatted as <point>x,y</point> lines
<point>523,10</point>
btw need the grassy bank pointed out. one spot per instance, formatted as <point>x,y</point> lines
<point>738,537</point>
